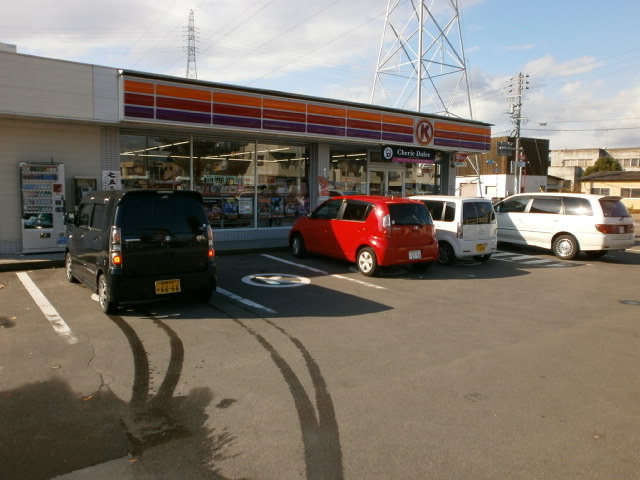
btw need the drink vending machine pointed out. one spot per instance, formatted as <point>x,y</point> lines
<point>42,191</point>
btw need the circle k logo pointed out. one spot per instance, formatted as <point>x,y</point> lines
<point>424,132</point>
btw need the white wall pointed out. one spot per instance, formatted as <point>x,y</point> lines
<point>496,186</point>
<point>35,86</point>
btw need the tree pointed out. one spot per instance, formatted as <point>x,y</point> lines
<point>604,164</point>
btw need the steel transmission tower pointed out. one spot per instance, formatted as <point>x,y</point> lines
<point>192,69</point>
<point>421,64</point>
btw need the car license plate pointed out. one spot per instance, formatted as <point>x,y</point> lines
<point>167,286</point>
<point>415,254</point>
<point>480,247</point>
<point>622,229</point>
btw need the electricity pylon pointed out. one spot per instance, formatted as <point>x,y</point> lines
<point>192,69</point>
<point>421,64</point>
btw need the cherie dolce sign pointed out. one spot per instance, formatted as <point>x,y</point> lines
<point>406,154</point>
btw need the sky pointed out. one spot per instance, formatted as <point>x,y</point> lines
<point>579,59</point>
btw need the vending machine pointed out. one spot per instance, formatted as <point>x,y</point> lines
<point>42,191</point>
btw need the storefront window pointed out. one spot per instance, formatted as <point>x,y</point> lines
<point>224,172</point>
<point>422,179</point>
<point>419,178</point>
<point>282,190</point>
<point>154,161</point>
<point>348,175</point>
<point>244,184</point>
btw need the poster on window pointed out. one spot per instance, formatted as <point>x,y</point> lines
<point>230,208</point>
<point>277,207</point>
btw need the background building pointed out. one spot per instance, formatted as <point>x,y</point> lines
<point>494,174</point>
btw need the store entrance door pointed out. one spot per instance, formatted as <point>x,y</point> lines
<point>387,180</point>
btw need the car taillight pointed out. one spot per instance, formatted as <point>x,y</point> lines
<point>386,224</point>
<point>212,252</point>
<point>115,247</point>
<point>116,259</point>
<point>459,230</point>
<point>611,228</point>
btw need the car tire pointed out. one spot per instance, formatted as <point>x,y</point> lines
<point>297,246</point>
<point>367,262</point>
<point>67,268</point>
<point>565,247</point>
<point>446,255</point>
<point>104,296</point>
<point>482,258</point>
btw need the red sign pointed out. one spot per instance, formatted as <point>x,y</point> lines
<point>424,132</point>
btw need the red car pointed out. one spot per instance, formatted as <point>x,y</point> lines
<point>372,231</point>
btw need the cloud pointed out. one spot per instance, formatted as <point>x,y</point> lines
<point>548,65</point>
<point>518,48</point>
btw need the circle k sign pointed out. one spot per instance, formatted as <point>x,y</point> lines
<point>424,132</point>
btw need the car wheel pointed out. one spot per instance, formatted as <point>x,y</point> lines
<point>446,255</point>
<point>297,246</point>
<point>104,296</point>
<point>67,267</point>
<point>596,253</point>
<point>482,258</point>
<point>565,247</point>
<point>367,262</point>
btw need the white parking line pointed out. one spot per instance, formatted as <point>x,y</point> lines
<point>341,277</point>
<point>246,301</point>
<point>56,321</point>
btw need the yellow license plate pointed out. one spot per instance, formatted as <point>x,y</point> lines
<point>167,286</point>
<point>480,247</point>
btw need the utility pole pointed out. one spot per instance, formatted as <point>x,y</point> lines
<point>192,69</point>
<point>518,83</point>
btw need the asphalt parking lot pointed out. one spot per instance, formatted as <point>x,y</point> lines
<point>523,367</point>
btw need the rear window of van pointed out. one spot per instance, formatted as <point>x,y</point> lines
<point>151,213</point>
<point>477,213</point>
<point>409,214</point>
<point>613,208</point>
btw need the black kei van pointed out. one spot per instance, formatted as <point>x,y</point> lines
<point>141,245</point>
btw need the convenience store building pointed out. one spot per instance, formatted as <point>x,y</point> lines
<point>260,158</point>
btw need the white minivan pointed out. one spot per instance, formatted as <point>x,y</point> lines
<point>465,227</point>
<point>566,223</point>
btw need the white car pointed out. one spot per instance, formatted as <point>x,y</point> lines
<point>465,227</point>
<point>566,223</point>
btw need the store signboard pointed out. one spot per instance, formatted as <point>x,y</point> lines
<point>111,180</point>
<point>407,154</point>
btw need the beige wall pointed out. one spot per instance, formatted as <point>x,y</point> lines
<point>77,146</point>
<point>614,189</point>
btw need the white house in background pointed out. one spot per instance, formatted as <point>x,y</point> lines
<point>493,174</point>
